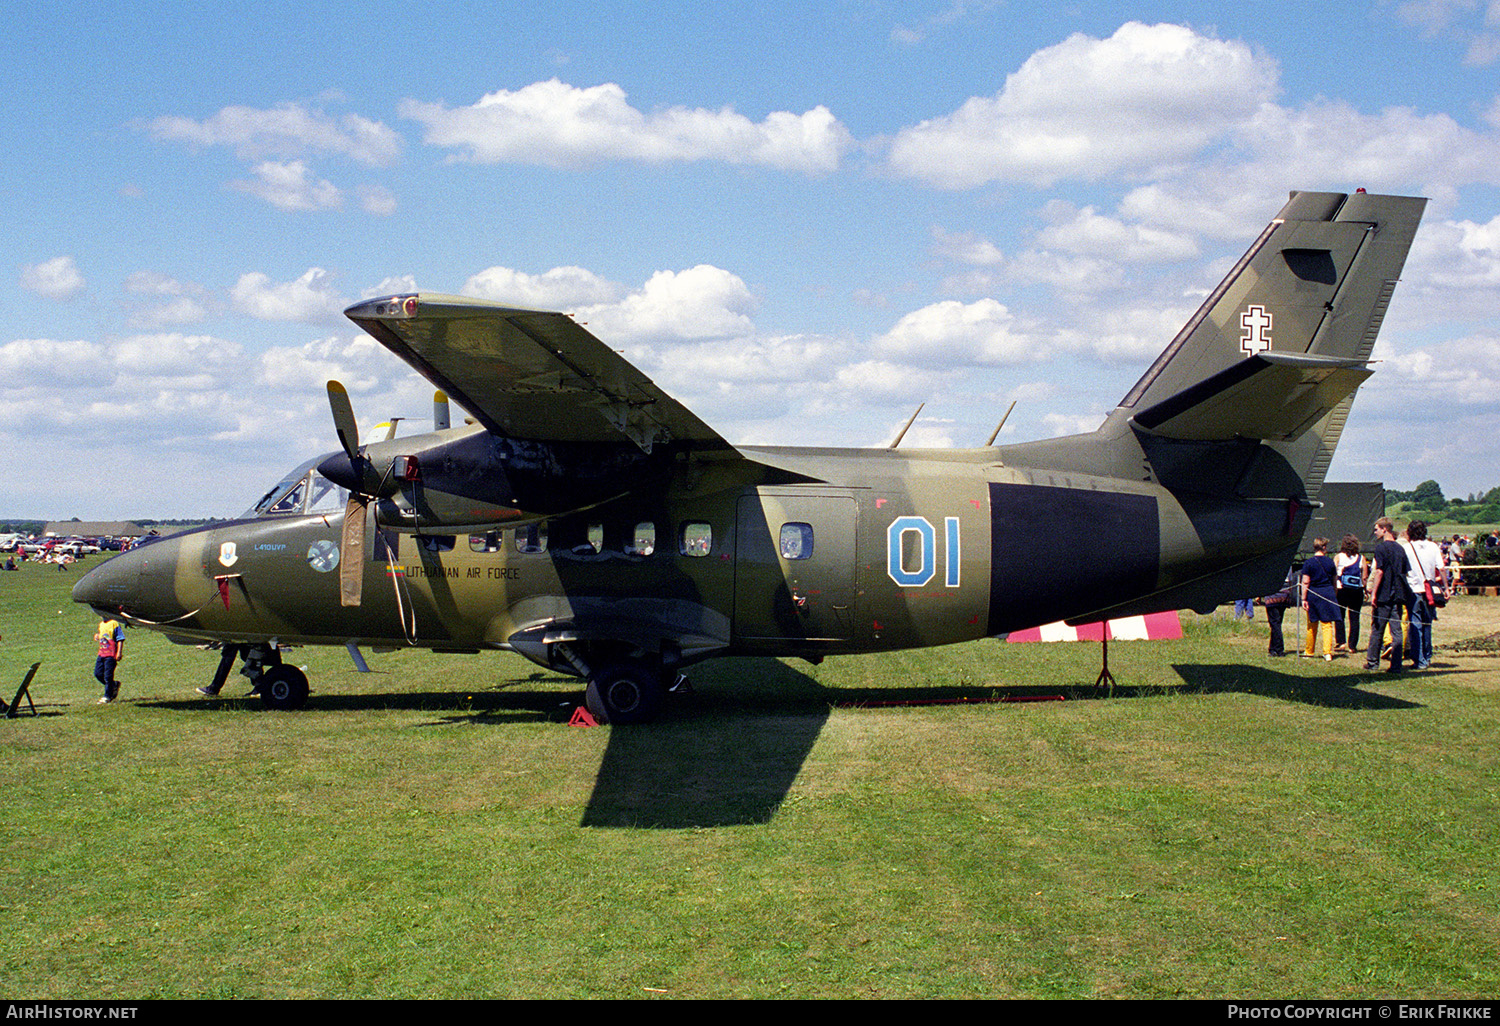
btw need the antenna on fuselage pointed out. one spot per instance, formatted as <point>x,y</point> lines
<point>904,427</point>
<point>996,433</point>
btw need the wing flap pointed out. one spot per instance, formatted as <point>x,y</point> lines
<point>530,374</point>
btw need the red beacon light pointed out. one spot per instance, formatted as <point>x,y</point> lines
<point>406,468</point>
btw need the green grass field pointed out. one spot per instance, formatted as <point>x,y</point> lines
<point>1223,825</point>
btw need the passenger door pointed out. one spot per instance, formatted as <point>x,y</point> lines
<point>795,569</point>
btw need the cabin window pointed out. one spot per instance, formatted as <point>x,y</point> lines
<point>642,541</point>
<point>571,538</point>
<point>438,542</point>
<point>796,541</point>
<point>532,538</point>
<point>697,539</point>
<point>487,542</point>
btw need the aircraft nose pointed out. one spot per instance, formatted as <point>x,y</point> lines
<point>107,587</point>
<point>137,583</point>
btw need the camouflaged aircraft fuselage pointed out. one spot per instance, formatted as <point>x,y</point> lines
<point>593,524</point>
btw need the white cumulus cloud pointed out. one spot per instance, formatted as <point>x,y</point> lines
<point>44,362</point>
<point>376,199</point>
<point>57,278</point>
<point>561,288</point>
<point>701,302</point>
<point>1088,108</point>
<point>1089,233</point>
<point>1458,254</point>
<point>182,302</point>
<point>355,361</point>
<point>290,186</point>
<point>965,248</point>
<point>310,298</point>
<point>286,130</point>
<point>554,124</point>
<point>951,332</point>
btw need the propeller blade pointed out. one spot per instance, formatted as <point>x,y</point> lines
<point>441,419</point>
<point>352,551</point>
<point>343,418</point>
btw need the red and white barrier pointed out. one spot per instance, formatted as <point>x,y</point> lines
<point>1151,627</point>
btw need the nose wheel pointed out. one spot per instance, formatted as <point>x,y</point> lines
<point>283,687</point>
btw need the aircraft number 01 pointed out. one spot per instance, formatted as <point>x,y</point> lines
<point>895,541</point>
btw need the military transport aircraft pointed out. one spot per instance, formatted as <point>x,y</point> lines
<point>590,522</point>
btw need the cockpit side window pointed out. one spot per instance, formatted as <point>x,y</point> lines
<point>275,501</point>
<point>290,493</point>
<point>291,501</point>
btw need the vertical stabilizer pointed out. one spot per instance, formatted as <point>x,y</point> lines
<point>1316,281</point>
<point>1278,348</point>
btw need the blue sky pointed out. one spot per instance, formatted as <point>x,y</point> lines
<point>799,219</point>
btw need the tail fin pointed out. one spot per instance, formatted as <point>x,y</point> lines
<point>1317,281</point>
<point>1277,351</point>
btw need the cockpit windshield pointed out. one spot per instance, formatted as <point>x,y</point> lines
<point>304,490</point>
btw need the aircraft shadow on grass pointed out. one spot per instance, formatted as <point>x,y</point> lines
<point>730,758</point>
<point>728,753</point>
<point>1337,692</point>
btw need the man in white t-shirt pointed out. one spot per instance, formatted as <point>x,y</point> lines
<point>1425,562</point>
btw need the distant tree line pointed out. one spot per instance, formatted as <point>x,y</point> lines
<point>1427,497</point>
<point>36,526</point>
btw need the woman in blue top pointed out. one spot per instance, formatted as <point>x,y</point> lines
<point>1320,597</point>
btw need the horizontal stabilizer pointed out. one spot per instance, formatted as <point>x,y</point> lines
<point>1269,396</point>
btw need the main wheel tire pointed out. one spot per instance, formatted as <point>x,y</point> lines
<point>283,687</point>
<point>625,693</point>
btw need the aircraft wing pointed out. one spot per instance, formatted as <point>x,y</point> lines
<point>529,373</point>
<point>1270,396</point>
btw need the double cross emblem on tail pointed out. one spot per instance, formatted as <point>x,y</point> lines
<point>1256,320</point>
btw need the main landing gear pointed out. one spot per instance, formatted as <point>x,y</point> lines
<point>622,689</point>
<point>626,692</point>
